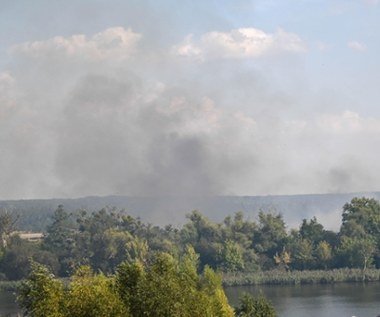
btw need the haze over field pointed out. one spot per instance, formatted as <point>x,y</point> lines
<point>188,97</point>
<point>35,215</point>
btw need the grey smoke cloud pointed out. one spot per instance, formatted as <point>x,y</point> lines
<point>114,138</point>
<point>107,114</point>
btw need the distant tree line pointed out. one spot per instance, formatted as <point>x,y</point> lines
<point>104,239</point>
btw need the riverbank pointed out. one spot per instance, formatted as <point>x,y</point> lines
<point>9,286</point>
<point>277,277</point>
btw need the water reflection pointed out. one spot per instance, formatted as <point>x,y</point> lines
<point>359,300</point>
<point>8,306</point>
<point>339,300</point>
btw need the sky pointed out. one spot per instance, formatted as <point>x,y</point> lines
<point>174,98</point>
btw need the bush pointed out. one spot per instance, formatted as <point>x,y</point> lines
<point>255,307</point>
<point>277,277</point>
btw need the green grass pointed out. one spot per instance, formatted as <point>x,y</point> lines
<point>277,277</point>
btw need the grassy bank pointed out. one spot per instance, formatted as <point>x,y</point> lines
<point>277,277</point>
<point>9,285</point>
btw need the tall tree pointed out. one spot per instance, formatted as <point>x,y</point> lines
<point>41,294</point>
<point>269,238</point>
<point>357,252</point>
<point>60,240</point>
<point>323,253</point>
<point>230,257</point>
<point>361,217</point>
<point>92,294</point>
<point>303,254</point>
<point>7,226</point>
<point>312,231</point>
<point>360,232</point>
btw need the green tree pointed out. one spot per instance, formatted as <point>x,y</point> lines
<point>239,230</point>
<point>7,226</point>
<point>357,252</point>
<point>93,295</point>
<point>15,262</point>
<point>254,307</point>
<point>161,290</point>
<point>214,300</point>
<point>361,217</point>
<point>128,280</point>
<point>136,250</point>
<point>204,236</point>
<point>230,257</point>
<point>99,230</point>
<point>270,238</point>
<point>312,231</point>
<point>168,287</point>
<point>360,233</point>
<point>302,250</point>
<point>41,294</point>
<point>323,253</point>
<point>61,240</point>
<point>204,229</point>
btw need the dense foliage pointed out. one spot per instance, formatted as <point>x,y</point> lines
<point>106,238</point>
<point>161,287</point>
<point>254,307</point>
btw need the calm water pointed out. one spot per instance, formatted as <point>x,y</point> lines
<point>8,306</point>
<point>360,300</point>
<point>340,300</point>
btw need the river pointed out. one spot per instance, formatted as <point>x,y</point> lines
<point>8,306</point>
<point>339,300</point>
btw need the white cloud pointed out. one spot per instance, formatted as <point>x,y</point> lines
<point>372,2</point>
<point>340,123</point>
<point>187,48</point>
<point>357,46</point>
<point>117,43</point>
<point>240,43</point>
<point>7,87</point>
<point>322,46</point>
<point>6,82</point>
<point>245,121</point>
<point>6,78</point>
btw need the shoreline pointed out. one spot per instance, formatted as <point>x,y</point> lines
<point>278,277</point>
